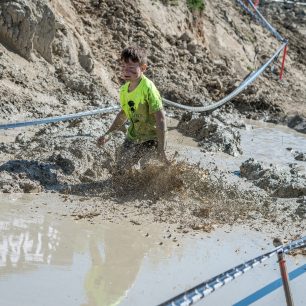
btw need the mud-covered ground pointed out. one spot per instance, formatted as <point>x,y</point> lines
<point>190,194</point>
<point>73,66</point>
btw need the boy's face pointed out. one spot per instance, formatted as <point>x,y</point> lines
<point>132,71</point>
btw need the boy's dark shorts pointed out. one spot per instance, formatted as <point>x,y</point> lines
<point>150,144</point>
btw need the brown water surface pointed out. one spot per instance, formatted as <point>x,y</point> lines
<point>49,260</point>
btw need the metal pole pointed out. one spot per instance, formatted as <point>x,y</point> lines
<point>283,63</point>
<point>284,273</point>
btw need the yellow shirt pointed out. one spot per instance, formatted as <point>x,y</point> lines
<point>139,107</point>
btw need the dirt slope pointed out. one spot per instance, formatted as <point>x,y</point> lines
<point>63,54</point>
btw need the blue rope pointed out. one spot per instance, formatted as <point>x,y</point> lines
<point>260,19</point>
<point>249,80</point>
<point>247,10</point>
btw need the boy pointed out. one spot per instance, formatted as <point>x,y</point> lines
<point>142,105</point>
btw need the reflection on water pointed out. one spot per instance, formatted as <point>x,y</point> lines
<point>26,241</point>
<point>49,262</point>
<point>113,259</point>
<point>100,262</point>
<point>114,265</point>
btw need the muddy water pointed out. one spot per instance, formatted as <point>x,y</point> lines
<point>48,259</point>
<point>262,141</point>
<point>81,263</point>
<point>272,143</point>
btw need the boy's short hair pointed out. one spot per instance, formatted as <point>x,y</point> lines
<point>135,54</point>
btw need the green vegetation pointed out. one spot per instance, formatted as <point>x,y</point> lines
<point>196,5</point>
<point>193,5</point>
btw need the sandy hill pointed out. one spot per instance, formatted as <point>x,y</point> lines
<point>60,56</point>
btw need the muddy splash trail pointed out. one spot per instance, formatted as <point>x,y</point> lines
<point>193,193</point>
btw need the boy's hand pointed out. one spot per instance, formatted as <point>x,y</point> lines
<point>102,140</point>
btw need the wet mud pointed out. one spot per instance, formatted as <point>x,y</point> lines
<point>195,192</point>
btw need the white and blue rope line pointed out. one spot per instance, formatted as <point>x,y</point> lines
<point>249,80</point>
<point>260,19</point>
<point>245,7</point>
<point>202,290</point>
<point>59,118</point>
<point>266,24</point>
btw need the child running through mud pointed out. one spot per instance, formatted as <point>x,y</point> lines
<point>141,104</point>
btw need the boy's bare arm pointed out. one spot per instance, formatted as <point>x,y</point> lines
<point>161,129</point>
<point>118,122</point>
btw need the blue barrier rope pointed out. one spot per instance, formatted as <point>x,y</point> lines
<point>247,10</point>
<point>260,19</point>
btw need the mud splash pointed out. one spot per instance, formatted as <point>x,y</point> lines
<point>181,193</point>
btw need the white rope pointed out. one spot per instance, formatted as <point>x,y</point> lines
<point>59,118</point>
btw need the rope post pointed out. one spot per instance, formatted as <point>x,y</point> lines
<point>283,63</point>
<point>284,273</point>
